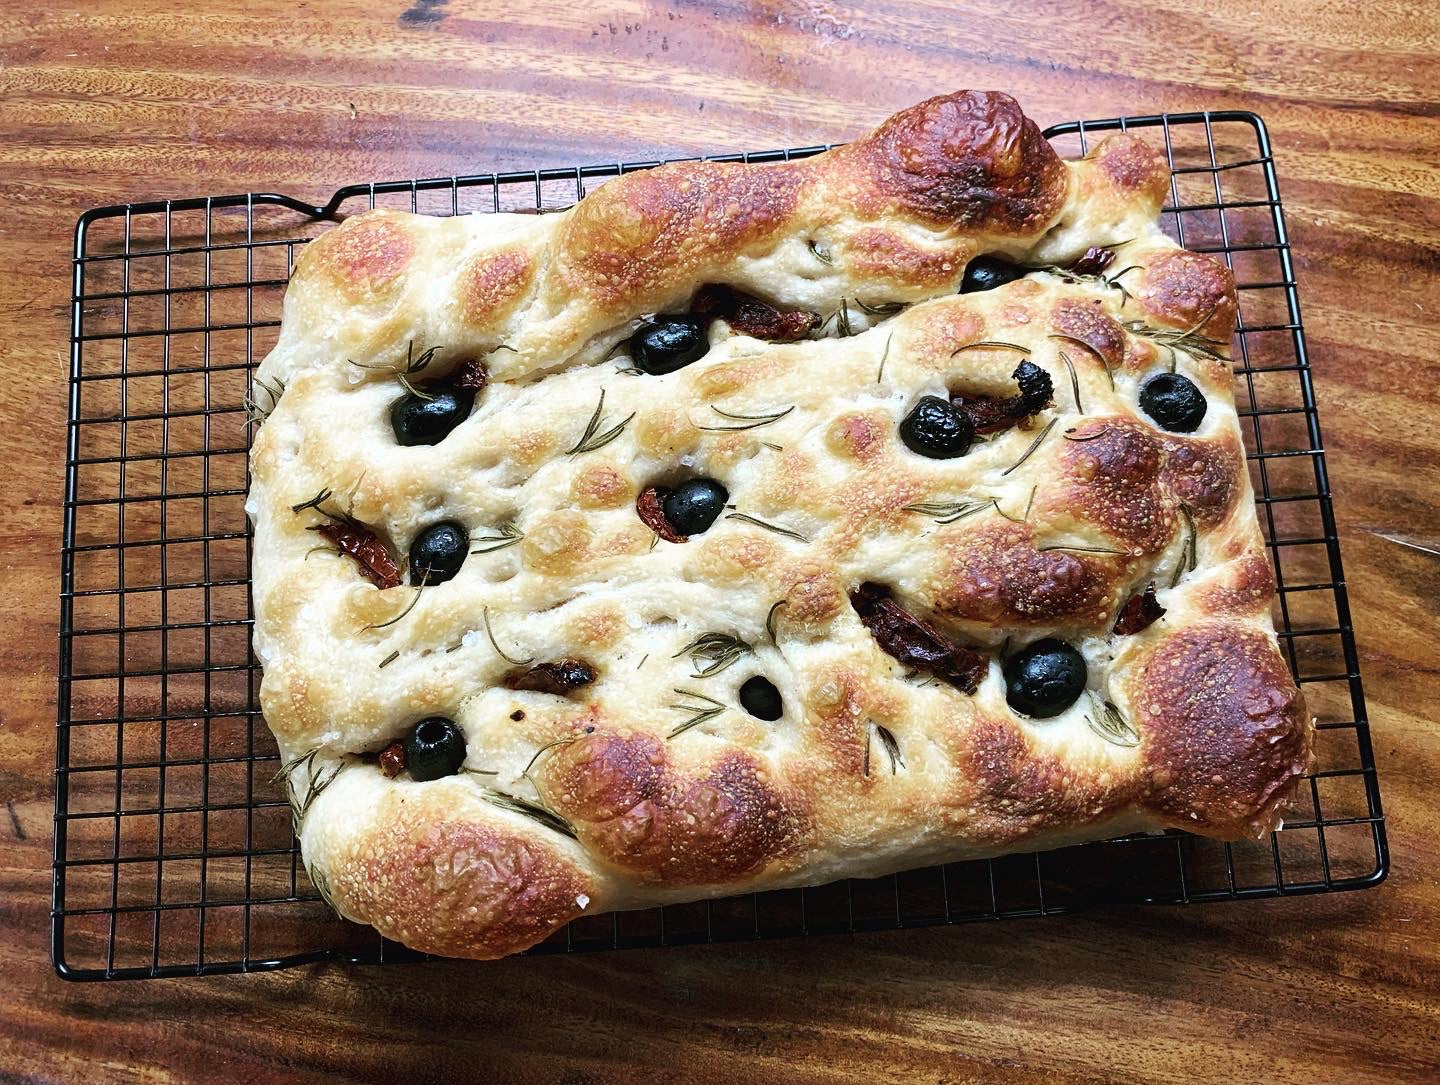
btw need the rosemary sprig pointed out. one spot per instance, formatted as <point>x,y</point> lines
<point>746,518</point>
<point>842,319</point>
<point>888,741</point>
<point>485,617</point>
<point>1076,278</point>
<point>1190,340</point>
<point>253,411</point>
<point>750,421</point>
<point>711,653</point>
<point>884,356</point>
<point>708,709</point>
<point>508,535</point>
<point>316,783</point>
<point>1188,556</point>
<point>1110,724</point>
<point>770,622</point>
<point>539,812</point>
<point>947,512</point>
<point>315,502</point>
<point>1074,382</point>
<point>823,255</point>
<point>404,371</point>
<point>1033,446</point>
<point>991,344</point>
<point>591,440</point>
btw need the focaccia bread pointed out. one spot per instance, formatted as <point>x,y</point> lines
<point>566,607</point>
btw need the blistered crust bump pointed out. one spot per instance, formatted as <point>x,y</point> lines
<point>629,789</point>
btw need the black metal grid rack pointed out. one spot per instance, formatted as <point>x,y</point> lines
<point>173,851</point>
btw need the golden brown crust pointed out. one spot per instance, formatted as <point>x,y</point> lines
<point>1226,730</point>
<point>969,160</point>
<point>426,874</point>
<point>637,811</point>
<point>653,782</point>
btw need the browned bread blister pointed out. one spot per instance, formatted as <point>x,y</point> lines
<point>649,783</point>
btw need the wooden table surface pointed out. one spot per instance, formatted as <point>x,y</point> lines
<point>137,99</point>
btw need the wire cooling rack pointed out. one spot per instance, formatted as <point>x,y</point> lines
<point>173,849</point>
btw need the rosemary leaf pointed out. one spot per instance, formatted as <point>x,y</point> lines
<point>1082,549</point>
<point>315,502</point>
<point>770,622</point>
<point>1033,446</point>
<point>321,882</point>
<point>391,658</point>
<point>882,309</point>
<point>1110,724</point>
<point>543,814</point>
<point>884,356</point>
<point>887,741</point>
<point>823,255</point>
<point>408,608</point>
<point>750,421</point>
<point>545,749</point>
<point>1074,382</point>
<point>767,526</point>
<point>508,535</point>
<point>990,344</point>
<point>485,616</point>
<point>1189,557</point>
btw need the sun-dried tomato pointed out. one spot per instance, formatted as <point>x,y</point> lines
<point>748,315</point>
<point>392,760</point>
<point>556,676</point>
<point>1139,612</point>
<point>470,375</point>
<point>365,547</point>
<point>652,514</point>
<point>1094,261</point>
<point>914,642</point>
<point>993,413</point>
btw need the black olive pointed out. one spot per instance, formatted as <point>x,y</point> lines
<point>988,272</point>
<point>1174,402</point>
<point>438,552</point>
<point>760,698</point>
<point>434,748</point>
<point>1044,678</point>
<point>418,420</point>
<point>668,343</point>
<point>693,506</point>
<point>934,428</point>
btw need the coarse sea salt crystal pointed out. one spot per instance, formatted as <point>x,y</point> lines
<point>583,901</point>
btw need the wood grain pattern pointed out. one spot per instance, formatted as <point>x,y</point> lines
<point>140,99</point>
